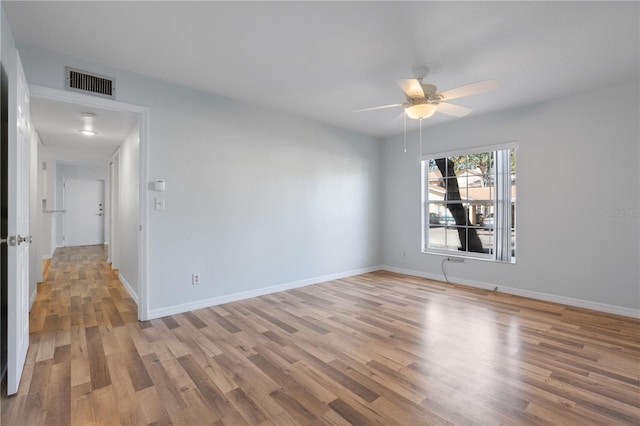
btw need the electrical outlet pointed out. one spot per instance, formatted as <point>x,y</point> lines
<point>195,278</point>
<point>159,204</point>
<point>404,254</point>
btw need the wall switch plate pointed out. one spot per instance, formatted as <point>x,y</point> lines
<point>159,204</point>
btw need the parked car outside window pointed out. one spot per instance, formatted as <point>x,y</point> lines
<point>447,220</point>
<point>487,221</point>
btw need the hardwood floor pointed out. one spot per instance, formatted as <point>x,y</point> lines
<point>375,349</point>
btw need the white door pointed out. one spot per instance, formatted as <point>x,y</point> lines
<point>18,229</point>
<point>84,212</point>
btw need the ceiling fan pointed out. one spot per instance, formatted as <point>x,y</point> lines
<point>423,99</point>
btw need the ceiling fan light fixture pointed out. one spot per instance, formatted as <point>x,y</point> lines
<point>420,111</point>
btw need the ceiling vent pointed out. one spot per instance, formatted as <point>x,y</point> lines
<point>89,83</point>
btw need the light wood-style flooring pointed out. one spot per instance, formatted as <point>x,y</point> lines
<point>375,349</point>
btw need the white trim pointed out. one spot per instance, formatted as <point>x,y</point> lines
<point>33,297</point>
<point>88,100</point>
<point>127,287</point>
<point>143,128</point>
<point>47,256</point>
<point>234,297</point>
<point>470,150</point>
<point>563,300</point>
<point>485,257</point>
<point>143,213</point>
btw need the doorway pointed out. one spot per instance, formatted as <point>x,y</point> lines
<point>97,109</point>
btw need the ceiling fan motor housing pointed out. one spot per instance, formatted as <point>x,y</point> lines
<point>430,96</point>
<point>429,90</point>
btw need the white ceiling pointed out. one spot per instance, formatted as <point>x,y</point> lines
<point>59,125</point>
<point>325,59</point>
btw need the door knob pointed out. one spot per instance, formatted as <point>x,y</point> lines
<point>20,239</point>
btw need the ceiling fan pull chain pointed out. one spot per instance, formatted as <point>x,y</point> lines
<point>420,157</point>
<point>405,132</point>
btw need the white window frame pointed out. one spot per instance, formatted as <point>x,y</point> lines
<point>503,241</point>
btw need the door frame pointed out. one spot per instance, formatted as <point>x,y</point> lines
<point>114,182</point>
<point>42,92</point>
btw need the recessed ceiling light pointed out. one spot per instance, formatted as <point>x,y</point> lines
<point>88,132</point>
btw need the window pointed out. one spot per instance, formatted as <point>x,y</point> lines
<point>469,203</point>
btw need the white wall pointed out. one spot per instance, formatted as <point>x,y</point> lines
<point>47,189</point>
<point>79,171</point>
<point>128,211</point>
<point>577,169</point>
<point>255,197</point>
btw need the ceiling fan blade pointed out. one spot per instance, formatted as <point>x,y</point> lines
<point>395,120</point>
<point>468,90</point>
<point>411,87</point>
<point>451,109</point>
<point>378,107</point>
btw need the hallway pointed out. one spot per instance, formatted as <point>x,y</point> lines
<point>79,307</point>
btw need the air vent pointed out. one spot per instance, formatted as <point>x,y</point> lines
<point>89,83</point>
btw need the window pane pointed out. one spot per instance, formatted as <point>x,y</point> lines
<point>513,243</point>
<point>435,179</point>
<point>486,236</point>
<point>512,157</point>
<point>478,210</point>
<point>449,185</point>
<point>459,162</point>
<point>437,238</point>
<point>439,209</point>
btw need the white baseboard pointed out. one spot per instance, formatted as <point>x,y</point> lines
<point>214,301</point>
<point>33,297</point>
<point>128,287</point>
<point>563,300</point>
<point>47,256</point>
